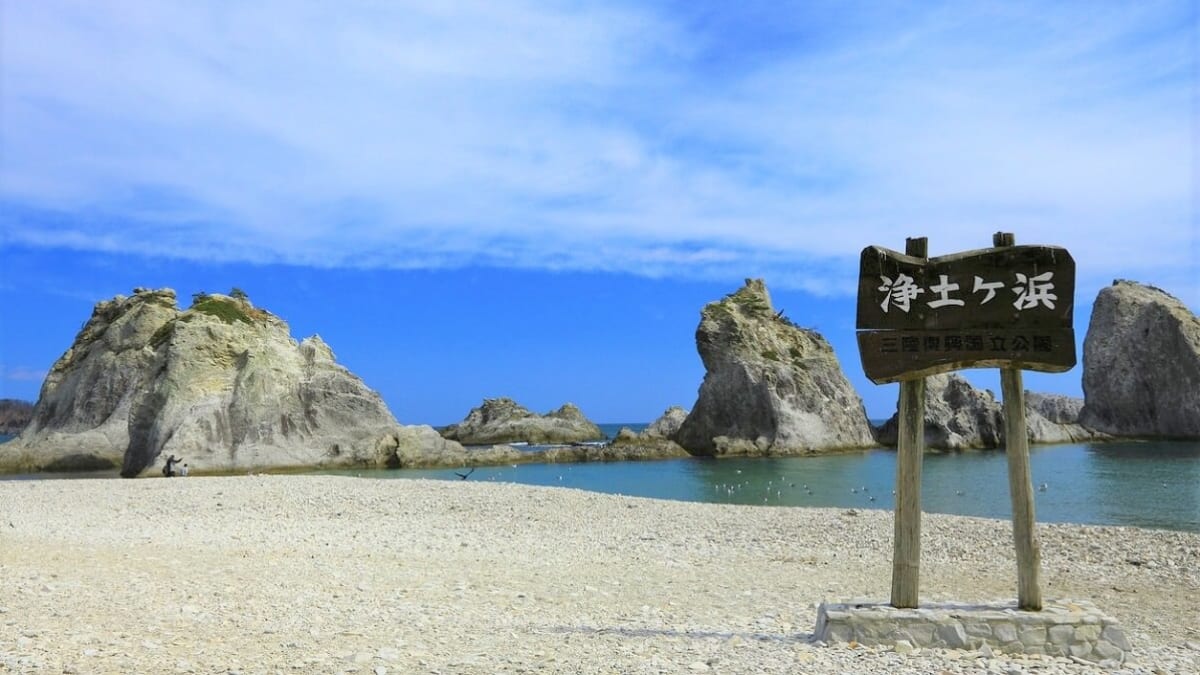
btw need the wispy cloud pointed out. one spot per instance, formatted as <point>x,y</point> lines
<point>22,373</point>
<point>702,142</point>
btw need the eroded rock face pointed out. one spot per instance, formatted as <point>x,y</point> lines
<point>770,387</point>
<point>1141,364</point>
<point>503,420</point>
<point>1054,418</point>
<point>221,385</point>
<point>959,417</point>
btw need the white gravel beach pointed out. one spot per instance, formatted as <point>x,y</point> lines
<point>324,574</point>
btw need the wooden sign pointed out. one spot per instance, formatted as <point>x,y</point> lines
<point>1009,306</point>
<point>919,316</point>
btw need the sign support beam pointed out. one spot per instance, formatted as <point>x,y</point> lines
<point>906,558</point>
<point>1020,480</point>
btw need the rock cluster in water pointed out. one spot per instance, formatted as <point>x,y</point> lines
<point>656,441</point>
<point>770,387</point>
<point>224,386</point>
<point>959,416</point>
<point>221,385</point>
<point>503,420</point>
<point>1141,364</point>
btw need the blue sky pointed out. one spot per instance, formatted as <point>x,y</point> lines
<point>477,199</point>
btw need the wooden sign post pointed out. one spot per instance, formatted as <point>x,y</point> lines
<point>1020,480</point>
<point>1009,307</point>
<point>910,450</point>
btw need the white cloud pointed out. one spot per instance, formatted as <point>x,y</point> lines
<point>627,139</point>
<point>22,373</point>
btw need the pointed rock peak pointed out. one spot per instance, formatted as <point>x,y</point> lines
<point>108,310</point>
<point>954,390</point>
<point>124,322</point>
<point>502,408</point>
<point>668,423</point>
<point>568,411</point>
<point>314,350</point>
<point>160,296</point>
<point>752,299</point>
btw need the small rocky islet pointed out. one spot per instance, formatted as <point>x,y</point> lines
<point>503,420</point>
<point>223,385</point>
<point>14,415</point>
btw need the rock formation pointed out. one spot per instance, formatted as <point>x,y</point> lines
<point>656,441</point>
<point>959,417</point>
<point>1141,364</point>
<point>14,415</point>
<point>1054,418</point>
<point>503,420</point>
<point>667,424</point>
<point>770,387</point>
<point>221,385</point>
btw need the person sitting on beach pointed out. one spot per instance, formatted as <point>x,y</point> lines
<point>169,469</point>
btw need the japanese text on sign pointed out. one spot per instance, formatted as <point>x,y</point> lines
<point>1031,291</point>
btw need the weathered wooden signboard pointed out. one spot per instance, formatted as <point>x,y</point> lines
<point>1009,307</point>
<point>1002,307</point>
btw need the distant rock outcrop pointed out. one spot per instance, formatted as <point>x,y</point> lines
<point>1054,418</point>
<point>959,417</point>
<point>770,387</point>
<point>1141,364</point>
<point>667,424</point>
<point>14,415</point>
<point>656,441</point>
<point>221,385</point>
<point>503,420</point>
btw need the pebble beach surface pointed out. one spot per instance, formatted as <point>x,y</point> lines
<point>328,574</point>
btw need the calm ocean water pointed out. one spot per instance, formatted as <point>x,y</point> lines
<point>1143,484</point>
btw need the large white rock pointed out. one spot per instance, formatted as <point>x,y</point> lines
<point>770,387</point>
<point>1141,364</point>
<point>221,385</point>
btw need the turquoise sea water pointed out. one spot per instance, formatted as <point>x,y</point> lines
<point>1144,484</point>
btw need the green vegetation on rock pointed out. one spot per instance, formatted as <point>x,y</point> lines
<point>228,311</point>
<point>751,303</point>
<point>163,334</point>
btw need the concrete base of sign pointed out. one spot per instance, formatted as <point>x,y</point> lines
<point>1063,628</point>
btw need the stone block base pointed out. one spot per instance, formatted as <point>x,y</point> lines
<point>1063,628</point>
